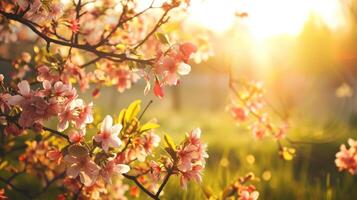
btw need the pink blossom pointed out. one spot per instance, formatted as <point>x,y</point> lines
<point>150,141</point>
<point>111,169</point>
<point>44,73</point>
<point>109,135</point>
<point>55,155</point>
<point>174,63</point>
<point>191,157</point>
<point>186,49</point>
<point>4,99</point>
<point>77,113</point>
<point>155,171</point>
<point>193,174</point>
<point>35,109</point>
<point>13,129</point>
<point>79,163</point>
<point>74,25</point>
<point>192,152</point>
<point>76,136</point>
<point>24,92</point>
<point>281,132</point>
<point>346,159</point>
<point>259,131</point>
<point>239,113</point>
<point>246,195</point>
<point>64,91</point>
<point>123,79</point>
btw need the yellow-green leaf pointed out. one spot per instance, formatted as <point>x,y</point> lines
<point>149,126</point>
<point>163,38</point>
<point>169,142</point>
<point>133,110</point>
<point>170,27</point>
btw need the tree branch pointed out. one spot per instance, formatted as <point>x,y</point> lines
<point>85,47</point>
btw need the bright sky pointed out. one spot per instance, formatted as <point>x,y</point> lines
<point>266,17</point>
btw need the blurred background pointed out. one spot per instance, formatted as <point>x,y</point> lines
<point>305,53</point>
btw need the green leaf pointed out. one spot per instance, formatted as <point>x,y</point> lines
<point>149,126</point>
<point>132,111</point>
<point>163,38</point>
<point>169,142</point>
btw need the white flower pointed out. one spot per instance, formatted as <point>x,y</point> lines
<point>109,135</point>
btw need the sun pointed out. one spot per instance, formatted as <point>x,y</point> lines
<point>265,18</point>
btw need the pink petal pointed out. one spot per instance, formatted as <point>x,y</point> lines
<point>158,91</point>
<point>15,100</point>
<point>24,88</point>
<point>115,130</point>
<point>121,169</point>
<point>106,124</point>
<point>183,68</point>
<point>73,171</point>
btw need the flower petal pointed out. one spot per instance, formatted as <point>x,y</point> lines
<point>115,130</point>
<point>24,88</point>
<point>106,124</point>
<point>73,171</point>
<point>121,168</point>
<point>15,100</point>
<point>183,69</point>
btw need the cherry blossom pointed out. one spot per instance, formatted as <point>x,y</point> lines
<point>193,174</point>
<point>246,195</point>
<point>80,164</point>
<point>55,155</point>
<point>346,158</point>
<point>108,135</point>
<point>76,136</point>
<point>112,168</point>
<point>192,155</point>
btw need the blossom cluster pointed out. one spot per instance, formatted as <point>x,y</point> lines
<point>119,146</point>
<point>346,158</point>
<point>125,50</point>
<point>240,189</point>
<point>249,102</point>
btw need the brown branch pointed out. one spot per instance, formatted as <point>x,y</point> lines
<point>90,62</point>
<point>161,21</point>
<point>56,133</point>
<point>163,184</point>
<point>150,194</point>
<point>135,180</point>
<point>85,47</point>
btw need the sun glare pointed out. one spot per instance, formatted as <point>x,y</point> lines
<point>265,18</point>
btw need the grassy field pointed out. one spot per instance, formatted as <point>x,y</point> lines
<point>234,152</point>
